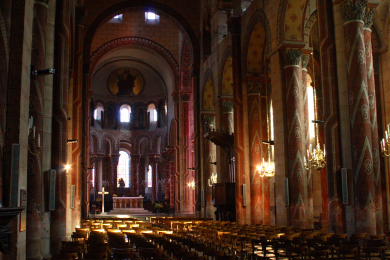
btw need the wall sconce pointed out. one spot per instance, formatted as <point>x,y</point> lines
<point>385,143</point>
<point>72,141</point>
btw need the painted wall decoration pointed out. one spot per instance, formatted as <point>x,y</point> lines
<point>227,82</point>
<point>293,21</point>
<point>256,49</point>
<point>208,96</point>
<point>125,82</point>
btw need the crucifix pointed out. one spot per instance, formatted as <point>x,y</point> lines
<point>103,192</point>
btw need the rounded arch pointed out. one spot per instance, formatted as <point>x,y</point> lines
<point>291,20</point>
<point>119,7</point>
<point>135,42</point>
<point>144,145</point>
<point>94,144</point>
<point>308,27</point>
<point>127,145</point>
<point>108,145</point>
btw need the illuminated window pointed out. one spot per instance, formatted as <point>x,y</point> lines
<point>117,18</point>
<point>152,111</point>
<point>125,112</point>
<point>149,175</point>
<point>152,18</point>
<point>97,113</point>
<point>123,169</point>
<point>93,176</point>
<point>310,107</point>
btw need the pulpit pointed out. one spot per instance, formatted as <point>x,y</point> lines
<point>128,202</point>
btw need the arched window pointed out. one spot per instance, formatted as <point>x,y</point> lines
<point>149,175</point>
<point>93,176</point>
<point>125,112</point>
<point>310,108</point>
<point>152,111</point>
<point>97,113</point>
<point>123,170</point>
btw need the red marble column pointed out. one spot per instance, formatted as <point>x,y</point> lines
<point>135,181</point>
<point>295,136</point>
<point>374,122</point>
<point>360,122</point>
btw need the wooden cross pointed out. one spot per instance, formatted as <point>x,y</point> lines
<point>103,192</point>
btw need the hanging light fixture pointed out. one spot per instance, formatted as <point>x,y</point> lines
<point>267,168</point>
<point>315,157</point>
<point>191,184</point>
<point>213,179</point>
<point>385,143</point>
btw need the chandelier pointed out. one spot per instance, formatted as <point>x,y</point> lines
<point>266,169</point>
<point>316,158</point>
<point>191,184</point>
<point>385,143</point>
<point>213,179</point>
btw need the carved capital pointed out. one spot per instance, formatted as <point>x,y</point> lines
<point>228,107</point>
<point>293,57</point>
<point>354,9</point>
<point>305,60</point>
<point>369,17</point>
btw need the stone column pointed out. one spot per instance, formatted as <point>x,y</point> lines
<point>295,136</point>
<point>360,120</point>
<point>141,175</point>
<point>135,180</point>
<point>256,129</point>
<point>373,117</point>
<point>114,173</point>
<point>306,135</point>
<point>153,160</point>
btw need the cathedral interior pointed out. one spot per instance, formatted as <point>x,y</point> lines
<point>202,129</point>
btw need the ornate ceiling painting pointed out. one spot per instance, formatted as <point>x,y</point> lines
<point>125,82</point>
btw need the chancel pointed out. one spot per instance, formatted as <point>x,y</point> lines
<point>194,129</point>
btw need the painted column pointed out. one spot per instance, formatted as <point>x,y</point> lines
<point>141,175</point>
<point>360,121</point>
<point>307,141</point>
<point>256,129</point>
<point>295,136</point>
<point>373,117</point>
<point>114,173</point>
<point>135,181</point>
<point>241,142</point>
<point>153,160</point>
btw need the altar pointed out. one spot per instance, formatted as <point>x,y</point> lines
<point>127,202</point>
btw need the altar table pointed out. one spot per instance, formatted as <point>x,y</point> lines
<point>128,202</point>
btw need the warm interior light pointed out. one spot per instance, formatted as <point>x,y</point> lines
<point>67,167</point>
<point>191,184</point>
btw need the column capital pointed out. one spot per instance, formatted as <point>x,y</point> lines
<point>369,17</point>
<point>305,60</point>
<point>292,57</point>
<point>354,10</point>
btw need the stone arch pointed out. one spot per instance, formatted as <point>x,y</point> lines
<point>310,22</point>
<point>291,20</point>
<point>144,145</point>
<point>94,144</point>
<point>119,7</point>
<point>108,145</point>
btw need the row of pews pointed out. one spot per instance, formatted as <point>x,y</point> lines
<point>185,238</point>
